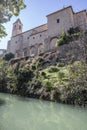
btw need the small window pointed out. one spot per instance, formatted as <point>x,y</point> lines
<point>58,20</point>
<point>19,27</point>
<point>16,41</point>
<point>27,37</point>
<point>40,35</point>
<point>33,37</point>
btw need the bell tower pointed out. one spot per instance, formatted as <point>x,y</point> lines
<point>17,28</point>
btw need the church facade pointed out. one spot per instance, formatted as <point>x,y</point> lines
<point>43,38</point>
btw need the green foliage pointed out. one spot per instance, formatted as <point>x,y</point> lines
<point>11,80</point>
<point>35,84</point>
<point>60,64</point>
<point>43,74</point>
<point>24,75</point>
<point>8,56</point>
<point>73,34</point>
<point>67,84</point>
<point>61,75</point>
<point>48,84</point>
<point>76,90</point>
<point>73,30</point>
<point>2,31</point>
<point>3,75</point>
<point>53,69</point>
<point>70,82</point>
<point>64,39</point>
<point>8,8</point>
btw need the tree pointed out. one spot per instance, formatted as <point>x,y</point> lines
<point>8,8</point>
<point>3,75</point>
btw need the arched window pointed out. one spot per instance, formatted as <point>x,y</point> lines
<point>32,51</point>
<point>18,53</point>
<point>40,48</point>
<point>53,43</point>
<point>25,52</point>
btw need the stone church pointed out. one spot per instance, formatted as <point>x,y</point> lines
<point>43,38</point>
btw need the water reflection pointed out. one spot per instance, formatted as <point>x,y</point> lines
<point>2,102</point>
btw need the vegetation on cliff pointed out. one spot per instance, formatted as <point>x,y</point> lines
<point>66,84</point>
<point>60,75</point>
<point>72,35</point>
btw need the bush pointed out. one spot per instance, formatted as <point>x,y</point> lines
<point>24,75</point>
<point>8,56</point>
<point>53,69</point>
<point>76,35</point>
<point>61,75</point>
<point>35,84</point>
<point>73,34</point>
<point>48,84</point>
<point>3,76</point>
<point>73,30</point>
<point>64,39</point>
<point>43,74</point>
<point>60,64</point>
<point>60,42</point>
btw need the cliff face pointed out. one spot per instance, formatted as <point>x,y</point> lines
<point>59,75</point>
<point>75,51</point>
<point>64,54</point>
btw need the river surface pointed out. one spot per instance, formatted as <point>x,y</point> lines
<point>17,113</point>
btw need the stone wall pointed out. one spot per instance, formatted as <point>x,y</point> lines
<point>74,51</point>
<point>80,18</point>
<point>43,38</point>
<point>69,52</point>
<point>66,54</point>
<point>58,21</point>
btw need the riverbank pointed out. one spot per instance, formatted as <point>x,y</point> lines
<point>42,79</point>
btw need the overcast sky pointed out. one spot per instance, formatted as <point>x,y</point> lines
<point>36,11</point>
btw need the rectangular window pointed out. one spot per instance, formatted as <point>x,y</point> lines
<point>58,20</point>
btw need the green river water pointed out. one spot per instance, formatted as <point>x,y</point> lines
<point>17,113</point>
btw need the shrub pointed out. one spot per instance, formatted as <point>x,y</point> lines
<point>11,80</point>
<point>73,30</point>
<point>53,69</point>
<point>76,35</point>
<point>35,84</point>
<point>47,84</point>
<point>8,56</point>
<point>64,39</point>
<point>43,74</point>
<point>73,34</point>
<point>3,75</point>
<point>60,64</point>
<point>60,42</point>
<point>23,76</point>
<point>33,67</point>
<point>61,75</point>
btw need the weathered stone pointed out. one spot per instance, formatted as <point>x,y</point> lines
<point>43,39</point>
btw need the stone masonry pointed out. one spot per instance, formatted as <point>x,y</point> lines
<point>43,38</point>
